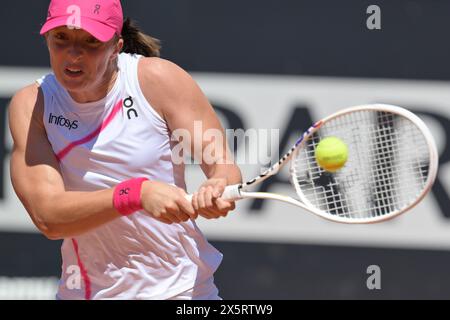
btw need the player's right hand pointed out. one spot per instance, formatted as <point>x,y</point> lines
<point>166,203</point>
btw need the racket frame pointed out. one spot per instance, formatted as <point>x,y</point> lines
<point>239,191</point>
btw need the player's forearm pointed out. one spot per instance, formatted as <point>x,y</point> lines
<point>72,213</point>
<point>230,172</point>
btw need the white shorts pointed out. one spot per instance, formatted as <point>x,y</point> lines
<point>204,291</point>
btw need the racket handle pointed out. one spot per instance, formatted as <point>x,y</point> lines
<point>230,193</point>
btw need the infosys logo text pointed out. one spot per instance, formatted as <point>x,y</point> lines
<point>63,122</point>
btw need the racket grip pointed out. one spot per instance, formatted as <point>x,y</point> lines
<point>230,193</point>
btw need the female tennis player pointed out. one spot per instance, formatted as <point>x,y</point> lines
<point>93,160</point>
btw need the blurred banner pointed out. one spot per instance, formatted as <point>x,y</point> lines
<point>289,105</point>
<point>292,104</point>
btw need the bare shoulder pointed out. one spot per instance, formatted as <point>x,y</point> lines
<point>157,69</point>
<point>165,84</point>
<point>26,108</point>
<point>26,103</point>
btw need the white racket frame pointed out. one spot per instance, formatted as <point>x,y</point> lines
<point>238,191</point>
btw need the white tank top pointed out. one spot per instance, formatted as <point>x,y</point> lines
<point>100,144</point>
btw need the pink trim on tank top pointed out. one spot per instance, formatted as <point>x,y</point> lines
<point>84,274</point>
<point>60,155</point>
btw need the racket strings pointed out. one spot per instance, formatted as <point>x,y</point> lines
<point>387,167</point>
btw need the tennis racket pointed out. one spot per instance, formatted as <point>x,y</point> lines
<point>392,164</point>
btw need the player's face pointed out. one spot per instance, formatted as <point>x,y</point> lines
<point>80,61</point>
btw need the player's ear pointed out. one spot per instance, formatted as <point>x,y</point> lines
<point>118,45</point>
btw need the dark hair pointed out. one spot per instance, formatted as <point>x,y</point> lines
<point>135,41</point>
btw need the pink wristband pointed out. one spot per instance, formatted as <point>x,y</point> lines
<point>127,196</point>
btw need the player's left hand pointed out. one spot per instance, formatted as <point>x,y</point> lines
<point>207,202</point>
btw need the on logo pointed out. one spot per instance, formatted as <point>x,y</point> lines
<point>97,9</point>
<point>124,191</point>
<point>374,281</point>
<point>128,103</point>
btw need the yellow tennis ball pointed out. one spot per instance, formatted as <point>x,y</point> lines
<point>331,154</point>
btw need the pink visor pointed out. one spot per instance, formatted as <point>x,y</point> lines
<point>101,18</point>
